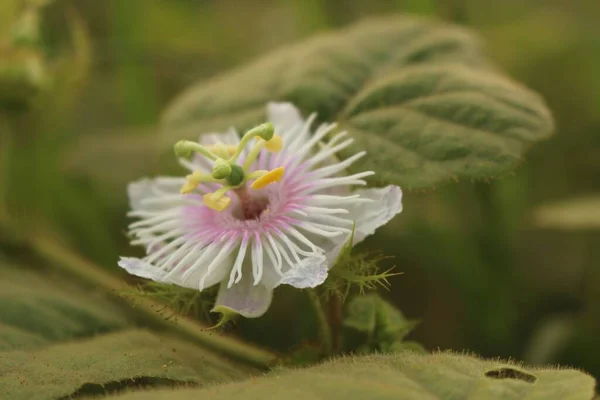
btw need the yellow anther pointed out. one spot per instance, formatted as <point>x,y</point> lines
<point>188,187</point>
<point>268,178</point>
<point>216,202</point>
<point>275,144</point>
<point>191,182</point>
<point>223,150</point>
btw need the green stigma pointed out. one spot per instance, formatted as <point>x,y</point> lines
<point>237,175</point>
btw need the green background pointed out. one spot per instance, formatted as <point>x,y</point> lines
<point>479,269</point>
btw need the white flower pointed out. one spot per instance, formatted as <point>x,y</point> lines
<point>252,219</point>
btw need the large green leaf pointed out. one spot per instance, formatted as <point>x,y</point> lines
<point>109,363</point>
<point>59,337</point>
<point>418,95</point>
<point>39,308</point>
<point>403,376</point>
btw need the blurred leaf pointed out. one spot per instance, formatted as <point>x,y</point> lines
<point>417,95</point>
<point>554,30</point>
<point>573,214</point>
<point>405,376</point>
<point>8,10</point>
<point>22,77</point>
<point>383,325</point>
<point>109,363</point>
<point>23,71</point>
<point>35,310</point>
<point>549,339</point>
<point>114,158</point>
<point>70,69</point>
<point>42,313</point>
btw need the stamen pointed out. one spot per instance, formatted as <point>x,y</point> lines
<point>272,176</point>
<point>223,150</point>
<point>225,171</point>
<point>189,185</point>
<point>184,149</point>
<point>264,131</point>
<point>275,144</point>
<point>217,200</point>
<point>194,179</point>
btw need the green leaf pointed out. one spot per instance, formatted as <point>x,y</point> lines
<point>61,337</point>
<point>132,154</point>
<point>37,309</point>
<point>109,363</point>
<point>418,95</point>
<point>405,376</point>
<point>381,326</point>
<point>572,214</point>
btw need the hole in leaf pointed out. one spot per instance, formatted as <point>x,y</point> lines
<point>510,373</point>
<point>114,387</point>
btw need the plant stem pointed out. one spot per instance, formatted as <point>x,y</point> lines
<point>324,329</point>
<point>335,321</point>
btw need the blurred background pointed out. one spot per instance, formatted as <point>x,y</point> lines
<point>509,267</point>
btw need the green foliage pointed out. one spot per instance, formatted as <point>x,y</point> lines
<point>358,272</point>
<point>36,309</point>
<point>355,271</point>
<point>59,337</point>
<point>405,376</point>
<point>109,363</point>
<point>22,64</point>
<point>374,325</point>
<point>418,95</point>
<point>477,268</point>
<point>572,214</point>
<point>177,300</point>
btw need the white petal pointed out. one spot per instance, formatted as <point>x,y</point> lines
<point>386,204</point>
<point>243,297</point>
<point>144,269</point>
<point>139,190</point>
<point>231,137</point>
<point>284,116</point>
<point>141,268</point>
<point>211,271</point>
<point>142,190</point>
<point>310,273</point>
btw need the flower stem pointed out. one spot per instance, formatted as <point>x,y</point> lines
<point>335,318</point>
<point>324,329</point>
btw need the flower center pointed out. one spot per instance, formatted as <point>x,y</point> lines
<point>232,176</point>
<point>251,207</point>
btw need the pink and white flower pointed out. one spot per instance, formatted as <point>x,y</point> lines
<point>287,227</point>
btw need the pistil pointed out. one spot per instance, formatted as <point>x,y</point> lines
<point>231,175</point>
